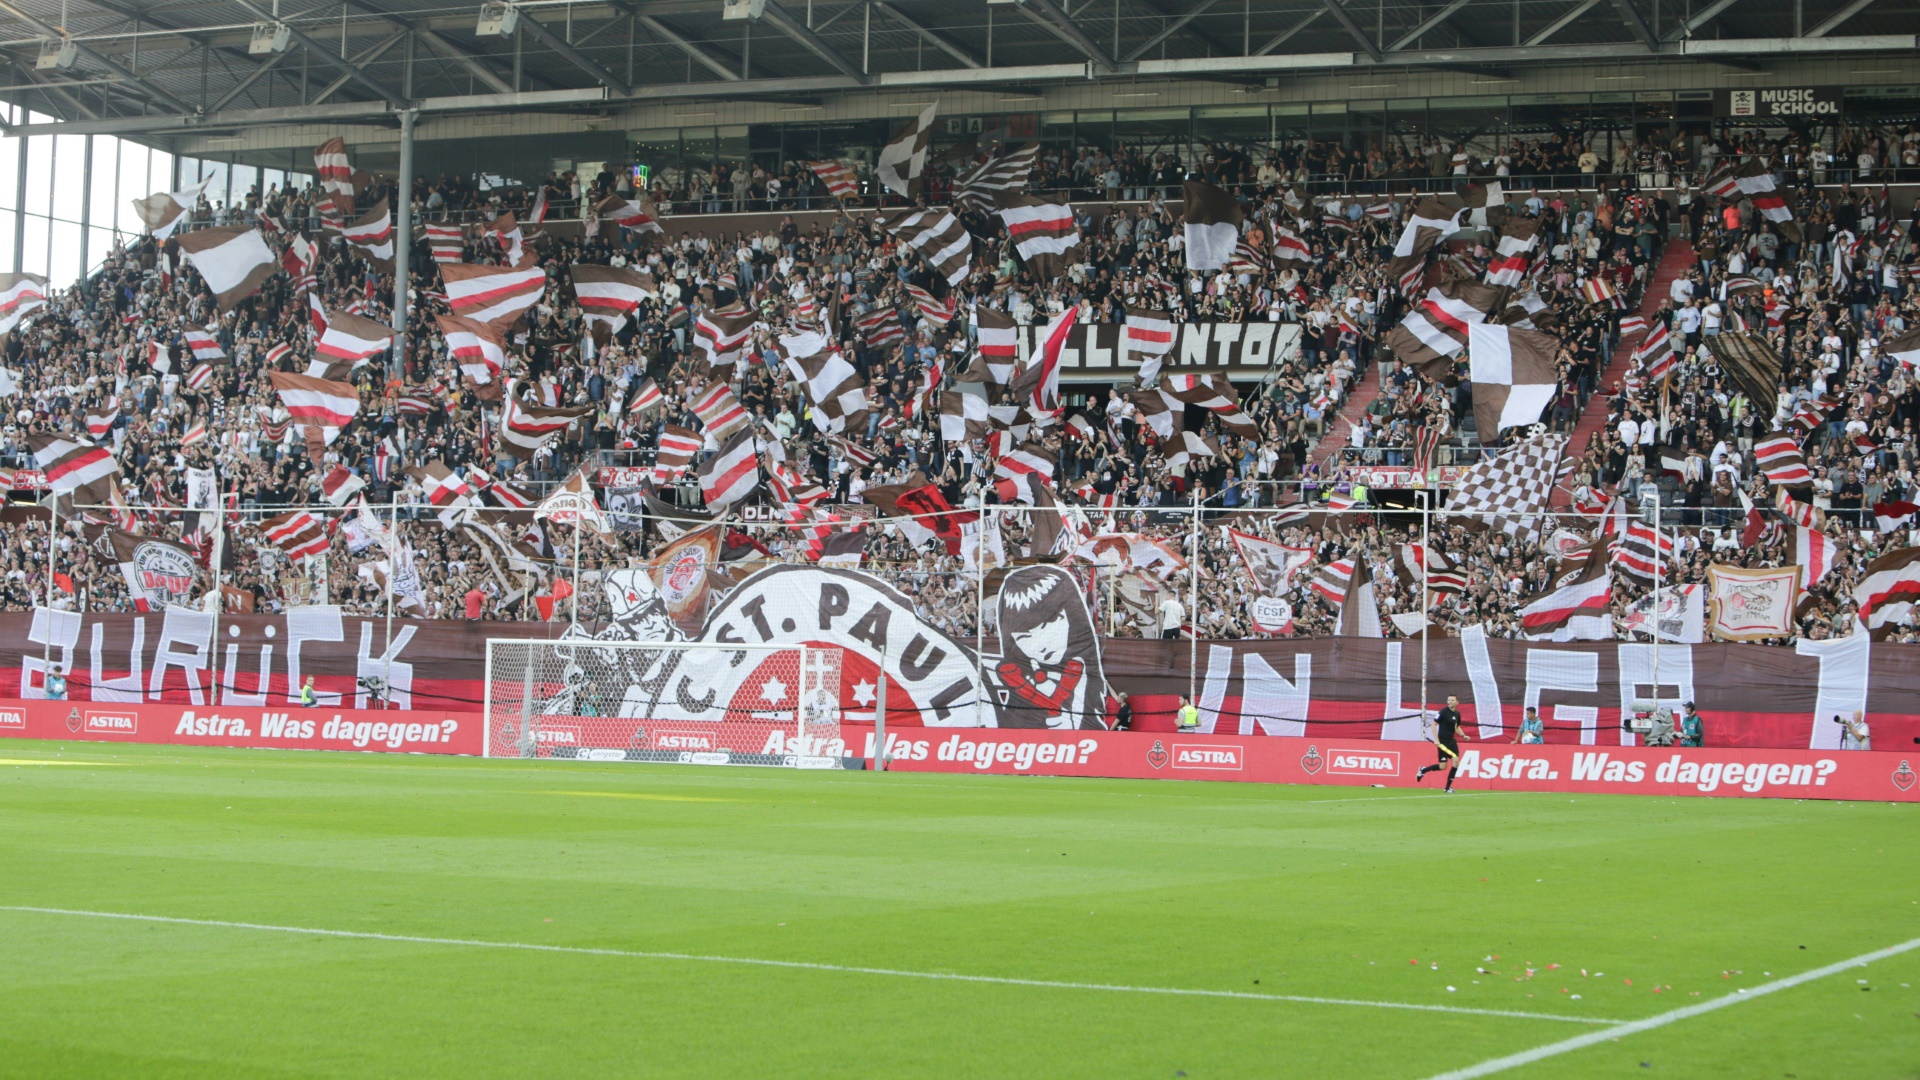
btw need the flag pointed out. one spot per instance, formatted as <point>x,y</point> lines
<point>838,393</point>
<point>340,485</point>
<point>901,161</point>
<point>793,490</point>
<point>935,311</point>
<point>931,511</point>
<point>1755,180</point>
<point>1753,362</point>
<point>444,490</point>
<point>1780,458</point>
<point>476,347</point>
<point>1269,564</point>
<point>1043,232</point>
<point>331,167</point>
<point>1813,552</point>
<point>1643,552</point>
<point>1359,609</point>
<point>1904,348</point>
<point>1288,246</point>
<point>1440,573</point>
<point>1511,256</point>
<point>99,424</point>
<point>719,411</point>
<point>1633,324</point>
<point>1215,393</point>
<point>1804,515</point>
<point>977,188</point>
<point>881,327</point>
<point>492,294</point>
<point>1514,377</point>
<point>525,428</point>
<point>159,573</point>
<point>636,214</point>
<point>676,449</point>
<point>372,233</point>
<point>448,243</point>
<point>1657,353</point>
<point>349,340</point>
<point>196,433</point>
<point>1212,225</point>
<point>998,341</point>
<point>507,233</point>
<point>963,416</point>
<point>720,337</point>
<point>1427,223</point>
<point>71,464</point>
<point>938,237</point>
<point>646,396</point>
<point>1437,327</point>
<point>1041,379</point>
<point>608,294</point>
<point>164,211</point>
<point>298,534</point>
<point>1331,583</point>
<point>1509,491</point>
<point>838,176</point>
<point>201,344</point>
<point>233,261</point>
<point>1598,290</point>
<point>731,475</point>
<point>1030,460</point>
<point>1887,591</point>
<point>1185,446</point>
<point>317,403</point>
<point>1576,609</point>
<point>1892,514</point>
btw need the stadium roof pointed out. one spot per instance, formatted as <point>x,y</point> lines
<point>145,68</point>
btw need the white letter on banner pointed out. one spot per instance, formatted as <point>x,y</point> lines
<point>400,686</point>
<point>1213,688</point>
<point>230,692</point>
<point>1551,669</point>
<point>1193,343</point>
<point>1407,727</point>
<point>1272,701</point>
<point>1637,679</point>
<point>1256,344</point>
<point>1225,335</point>
<point>182,627</point>
<point>61,630</point>
<point>127,687</point>
<point>318,622</point>
<point>1843,683</point>
<point>1097,357</point>
<point>1486,688</point>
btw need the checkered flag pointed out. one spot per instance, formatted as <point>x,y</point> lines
<point>1510,491</point>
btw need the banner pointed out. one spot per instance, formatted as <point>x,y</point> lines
<point>1751,605</point>
<point>1098,352</point>
<point>1041,664</point>
<point>1780,103</point>
<point>418,731</point>
<point>1501,766</point>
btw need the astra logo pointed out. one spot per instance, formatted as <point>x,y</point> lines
<point>12,718</point>
<point>104,723</point>
<point>554,735</point>
<point>1192,756</point>
<point>1364,762</point>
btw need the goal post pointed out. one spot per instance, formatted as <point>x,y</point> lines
<point>701,703</point>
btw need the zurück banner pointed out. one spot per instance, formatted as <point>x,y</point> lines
<point>1488,766</point>
<point>390,731</point>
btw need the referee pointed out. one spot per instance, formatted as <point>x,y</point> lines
<point>1447,738</point>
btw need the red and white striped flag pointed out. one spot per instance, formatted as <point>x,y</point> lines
<point>350,340</point>
<point>202,344</point>
<point>636,214</point>
<point>838,176</point>
<point>720,337</point>
<point>317,403</point>
<point>200,377</point>
<point>675,453</point>
<point>1043,232</point>
<point>610,293</point>
<point>526,428</point>
<point>719,411</point>
<point>331,167</point>
<point>372,233</point>
<point>731,475</point>
<point>340,485</point>
<point>20,294</point>
<point>998,342</point>
<point>1779,457</point>
<point>298,534</point>
<point>646,396</point>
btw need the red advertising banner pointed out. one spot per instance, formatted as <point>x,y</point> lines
<point>1502,766</point>
<point>417,731</point>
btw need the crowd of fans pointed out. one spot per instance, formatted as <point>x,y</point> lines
<point>85,355</point>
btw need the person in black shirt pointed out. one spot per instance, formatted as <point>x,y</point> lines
<point>1447,737</point>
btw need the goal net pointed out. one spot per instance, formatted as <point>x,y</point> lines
<point>691,702</point>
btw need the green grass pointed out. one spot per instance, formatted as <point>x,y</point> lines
<point>1373,896</point>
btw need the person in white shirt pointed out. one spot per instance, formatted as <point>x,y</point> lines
<point>1681,291</point>
<point>1710,318</point>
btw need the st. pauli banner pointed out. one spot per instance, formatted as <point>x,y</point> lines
<point>1041,666</point>
<point>1497,766</point>
<point>1098,352</point>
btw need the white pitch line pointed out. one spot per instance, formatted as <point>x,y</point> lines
<point>941,976</point>
<point>1540,1053</point>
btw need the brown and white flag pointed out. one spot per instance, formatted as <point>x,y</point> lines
<point>1212,225</point>
<point>838,393</point>
<point>1215,393</point>
<point>372,233</point>
<point>608,294</point>
<point>979,187</point>
<point>235,262</point>
<point>20,296</point>
<point>938,237</point>
<point>720,337</point>
<point>1514,377</point>
<point>904,158</point>
<point>1510,492</point>
<point>525,428</point>
<point>496,295</point>
<point>963,416</point>
<point>1043,232</point>
<point>165,211</point>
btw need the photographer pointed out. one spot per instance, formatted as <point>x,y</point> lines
<point>1854,734</point>
<point>1692,728</point>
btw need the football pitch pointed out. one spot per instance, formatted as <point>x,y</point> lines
<point>201,913</point>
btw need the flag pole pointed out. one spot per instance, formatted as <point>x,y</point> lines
<point>980,606</point>
<point>1659,573</point>
<point>573,597</point>
<point>53,547</point>
<point>1426,569</point>
<point>393,578</point>
<point>1193,597</point>
<point>219,595</point>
